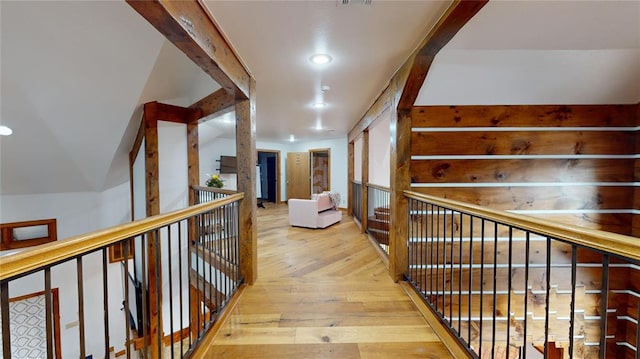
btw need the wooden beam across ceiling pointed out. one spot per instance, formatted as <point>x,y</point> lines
<point>187,25</point>
<point>456,16</point>
<point>216,104</point>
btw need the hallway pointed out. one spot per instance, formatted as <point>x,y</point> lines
<point>322,294</point>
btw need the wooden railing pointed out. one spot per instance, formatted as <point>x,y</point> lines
<point>195,254</point>
<point>208,194</point>
<point>513,286</point>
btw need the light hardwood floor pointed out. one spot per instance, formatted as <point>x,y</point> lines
<point>322,293</point>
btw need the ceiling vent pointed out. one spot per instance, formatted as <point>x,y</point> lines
<point>356,2</point>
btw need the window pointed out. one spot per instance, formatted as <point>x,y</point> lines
<point>27,234</point>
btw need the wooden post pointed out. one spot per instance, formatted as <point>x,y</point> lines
<point>154,273</point>
<point>365,181</point>
<point>247,158</point>
<point>350,175</point>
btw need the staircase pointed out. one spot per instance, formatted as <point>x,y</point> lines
<point>505,291</point>
<point>378,225</point>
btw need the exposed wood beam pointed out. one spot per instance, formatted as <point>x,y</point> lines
<point>380,104</point>
<point>216,104</point>
<point>456,16</point>
<point>187,25</point>
<point>171,113</point>
<point>247,156</point>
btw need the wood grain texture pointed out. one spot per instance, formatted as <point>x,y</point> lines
<point>350,175</point>
<point>216,104</point>
<point>523,143</point>
<point>382,102</point>
<point>193,159</point>
<point>522,170</point>
<point>189,27</point>
<point>456,16</point>
<point>538,198</point>
<point>365,180</point>
<point>246,155</point>
<point>525,116</point>
<point>321,294</point>
<point>400,159</point>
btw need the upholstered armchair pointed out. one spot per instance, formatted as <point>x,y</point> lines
<point>317,212</point>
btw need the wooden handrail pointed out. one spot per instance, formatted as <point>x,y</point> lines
<point>613,243</point>
<point>379,187</point>
<point>59,251</point>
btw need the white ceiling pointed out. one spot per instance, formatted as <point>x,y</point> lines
<point>541,52</point>
<point>275,40</point>
<point>74,74</point>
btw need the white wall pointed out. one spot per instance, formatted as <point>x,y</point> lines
<point>77,213</point>
<point>173,181</point>
<point>357,159</point>
<point>380,150</point>
<point>210,152</point>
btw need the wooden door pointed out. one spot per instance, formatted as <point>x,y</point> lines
<point>298,175</point>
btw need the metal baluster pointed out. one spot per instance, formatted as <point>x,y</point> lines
<point>495,283</point>
<point>526,292</point>
<point>6,330</point>
<point>158,285</point>
<point>105,297</point>
<point>80,305</point>
<point>181,303</point>
<point>481,283</point>
<point>638,332</point>
<point>470,301</point>
<point>451,261</point>
<point>574,259</point>
<point>170,275</point>
<point>48,311</point>
<point>437,264</point>
<point>127,318</point>
<point>432,252</point>
<point>509,288</point>
<point>145,292</point>
<point>604,302</point>
<point>546,300</point>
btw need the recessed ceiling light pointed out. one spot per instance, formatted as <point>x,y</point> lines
<point>320,59</point>
<point>291,138</point>
<point>5,131</point>
<point>319,105</point>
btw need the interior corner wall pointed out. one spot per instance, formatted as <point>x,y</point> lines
<point>380,150</point>
<point>568,163</point>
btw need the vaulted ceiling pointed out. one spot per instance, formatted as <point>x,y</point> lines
<point>75,74</point>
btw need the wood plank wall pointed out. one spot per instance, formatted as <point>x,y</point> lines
<point>574,164</point>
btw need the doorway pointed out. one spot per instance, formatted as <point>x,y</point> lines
<point>269,164</point>
<point>298,175</point>
<point>320,170</point>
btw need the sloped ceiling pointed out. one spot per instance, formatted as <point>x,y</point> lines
<point>74,76</point>
<point>541,52</point>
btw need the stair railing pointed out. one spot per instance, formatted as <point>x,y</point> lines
<point>208,194</point>
<point>505,284</point>
<point>378,215</point>
<point>196,271</point>
<point>356,200</point>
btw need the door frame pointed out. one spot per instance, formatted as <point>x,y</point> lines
<point>278,174</point>
<point>311,153</point>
